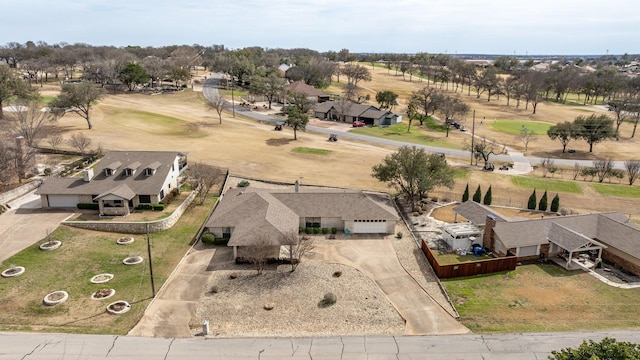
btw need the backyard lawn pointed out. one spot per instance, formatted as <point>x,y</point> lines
<point>82,255</point>
<point>541,298</point>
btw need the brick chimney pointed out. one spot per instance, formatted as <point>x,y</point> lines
<point>487,237</point>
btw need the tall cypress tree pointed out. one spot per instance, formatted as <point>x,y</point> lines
<point>465,196</point>
<point>477,197</point>
<point>543,202</point>
<point>487,197</point>
<point>555,203</point>
<point>531,205</point>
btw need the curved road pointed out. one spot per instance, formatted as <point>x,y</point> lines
<point>210,90</point>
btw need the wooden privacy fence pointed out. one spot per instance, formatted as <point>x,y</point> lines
<point>469,268</point>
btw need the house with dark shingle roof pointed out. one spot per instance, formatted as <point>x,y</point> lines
<point>312,93</point>
<point>347,111</point>
<point>248,216</point>
<point>610,236</point>
<point>121,181</point>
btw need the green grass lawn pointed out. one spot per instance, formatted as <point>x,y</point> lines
<point>399,133</point>
<point>46,99</point>
<point>617,190</point>
<point>236,94</point>
<point>542,298</point>
<point>543,184</point>
<point>82,255</point>
<point>152,122</point>
<point>306,150</point>
<point>514,127</point>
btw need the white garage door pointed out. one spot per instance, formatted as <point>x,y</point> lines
<point>67,201</point>
<point>369,227</point>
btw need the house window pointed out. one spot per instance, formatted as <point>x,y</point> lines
<point>129,172</point>
<point>149,172</point>
<point>144,199</point>
<point>108,172</point>
<point>161,194</point>
<point>312,222</point>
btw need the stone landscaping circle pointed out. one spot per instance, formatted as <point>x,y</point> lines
<point>118,307</point>
<point>132,260</point>
<point>50,245</point>
<point>55,298</point>
<point>125,240</point>
<point>101,278</point>
<point>103,294</point>
<point>13,271</point>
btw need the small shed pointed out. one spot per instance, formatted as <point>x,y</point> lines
<point>462,235</point>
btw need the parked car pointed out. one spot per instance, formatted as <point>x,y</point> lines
<point>357,123</point>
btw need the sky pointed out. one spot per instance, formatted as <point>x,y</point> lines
<point>505,27</point>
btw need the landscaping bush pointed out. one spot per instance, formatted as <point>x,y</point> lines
<point>477,196</point>
<point>300,230</point>
<point>531,204</point>
<point>465,196</point>
<point>157,207</point>
<point>399,235</point>
<point>144,207</point>
<point>243,183</point>
<point>334,230</point>
<point>325,230</point>
<point>221,241</point>
<point>308,230</point>
<point>330,299</point>
<point>555,203</point>
<point>316,230</point>
<point>88,206</point>
<point>208,238</point>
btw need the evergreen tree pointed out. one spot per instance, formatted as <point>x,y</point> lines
<point>487,197</point>
<point>465,196</point>
<point>478,195</point>
<point>542,206</point>
<point>555,203</point>
<point>531,205</point>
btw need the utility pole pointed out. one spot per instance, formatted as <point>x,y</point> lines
<point>153,286</point>
<point>473,135</point>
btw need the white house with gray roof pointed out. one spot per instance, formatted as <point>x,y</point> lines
<point>121,181</point>
<point>246,216</point>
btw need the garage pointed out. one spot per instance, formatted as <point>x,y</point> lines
<point>63,201</point>
<point>369,227</point>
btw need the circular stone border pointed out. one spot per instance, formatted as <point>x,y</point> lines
<point>13,271</point>
<point>132,260</point>
<point>50,245</point>
<point>125,240</point>
<point>111,293</point>
<point>65,296</point>
<point>94,280</point>
<point>126,307</point>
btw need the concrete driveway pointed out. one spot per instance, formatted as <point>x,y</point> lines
<point>377,259</point>
<point>25,224</point>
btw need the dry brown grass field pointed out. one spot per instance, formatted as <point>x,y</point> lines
<point>181,121</point>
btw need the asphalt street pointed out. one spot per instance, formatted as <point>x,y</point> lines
<point>30,346</point>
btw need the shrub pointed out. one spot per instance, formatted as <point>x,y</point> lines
<point>531,205</point>
<point>316,230</point>
<point>543,202</point>
<point>477,196</point>
<point>214,289</point>
<point>465,196</point>
<point>308,230</point>
<point>88,206</point>
<point>337,274</point>
<point>330,299</point>
<point>208,238</point>
<point>325,230</point>
<point>399,235</point>
<point>487,197</point>
<point>243,183</point>
<point>334,230</point>
<point>300,230</point>
<point>157,207</point>
<point>144,207</point>
<point>555,203</point>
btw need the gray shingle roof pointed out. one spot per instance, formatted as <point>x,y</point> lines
<point>569,239</point>
<point>101,183</point>
<point>477,213</point>
<point>253,212</point>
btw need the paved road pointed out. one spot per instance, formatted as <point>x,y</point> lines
<point>30,346</point>
<point>210,89</point>
<point>26,224</point>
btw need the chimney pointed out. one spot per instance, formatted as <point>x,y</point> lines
<point>87,174</point>
<point>487,237</point>
<point>297,185</point>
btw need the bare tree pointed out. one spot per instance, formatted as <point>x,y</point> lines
<point>261,250</point>
<point>603,168</point>
<point>547,165</point>
<point>217,103</point>
<point>302,247</point>
<point>55,141</point>
<point>80,142</point>
<point>633,170</point>
<point>203,176</point>
<point>485,148</point>
<point>6,163</point>
<point>526,136</point>
<point>28,123</point>
<point>577,170</point>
